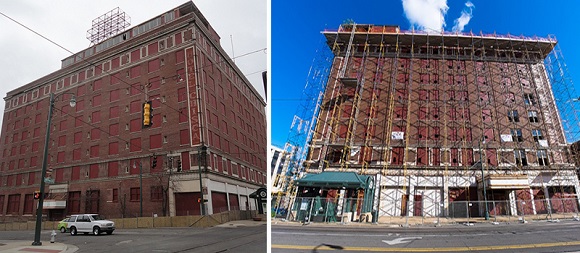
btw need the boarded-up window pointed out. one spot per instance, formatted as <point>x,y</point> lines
<point>179,55</point>
<point>454,157</point>
<point>94,151</point>
<point>184,137</point>
<point>113,112</point>
<point>76,154</point>
<point>96,117</point>
<point>397,156</point>
<point>60,157</point>
<point>113,169</point>
<point>153,65</point>
<point>135,145</point>
<point>135,106</point>
<point>467,155</point>
<point>155,141</point>
<point>114,95</point>
<point>61,141</point>
<point>135,55</point>
<point>400,112</point>
<point>422,157</point>
<point>422,133</point>
<point>135,125</point>
<point>185,164</point>
<point>491,156</point>
<point>153,48</point>
<point>95,134</point>
<point>76,173</point>
<point>436,156</point>
<point>435,133</point>
<point>94,171</point>
<point>114,129</point>
<point>113,148</point>
<point>136,71</point>
<point>423,113</point>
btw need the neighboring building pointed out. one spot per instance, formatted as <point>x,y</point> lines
<point>201,103</point>
<point>276,161</point>
<point>417,112</point>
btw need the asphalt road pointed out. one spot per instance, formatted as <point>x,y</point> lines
<point>216,239</point>
<point>516,237</point>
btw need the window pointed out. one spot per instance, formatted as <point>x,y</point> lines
<point>517,135</point>
<point>13,204</point>
<point>533,116</point>
<point>156,193</point>
<point>529,99</point>
<point>135,195</point>
<point>520,156</point>
<point>513,116</point>
<point>542,158</point>
<point>115,195</point>
<point>537,134</point>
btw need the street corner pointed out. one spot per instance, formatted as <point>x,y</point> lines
<point>26,246</point>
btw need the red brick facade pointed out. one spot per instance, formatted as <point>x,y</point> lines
<point>199,98</point>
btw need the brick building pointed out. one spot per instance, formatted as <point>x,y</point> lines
<point>419,114</point>
<point>99,154</point>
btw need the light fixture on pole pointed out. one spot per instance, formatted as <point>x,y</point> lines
<point>140,187</point>
<point>39,208</point>
<point>483,180</point>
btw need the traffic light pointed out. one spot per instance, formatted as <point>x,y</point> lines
<point>147,115</point>
<point>178,165</point>
<point>154,163</point>
<point>36,194</point>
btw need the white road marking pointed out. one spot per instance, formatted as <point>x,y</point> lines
<point>401,240</point>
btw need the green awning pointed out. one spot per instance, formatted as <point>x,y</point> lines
<point>333,179</point>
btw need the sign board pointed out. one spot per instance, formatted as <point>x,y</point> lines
<point>397,135</point>
<point>49,180</point>
<point>506,138</point>
<point>543,143</point>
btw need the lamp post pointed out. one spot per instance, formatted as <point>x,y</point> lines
<point>203,159</point>
<point>483,182</point>
<point>39,209</point>
<point>140,187</point>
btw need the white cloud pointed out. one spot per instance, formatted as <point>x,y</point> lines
<point>426,15</point>
<point>463,20</point>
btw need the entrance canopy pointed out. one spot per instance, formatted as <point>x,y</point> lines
<point>333,179</point>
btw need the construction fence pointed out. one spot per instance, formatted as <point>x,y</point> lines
<point>318,209</point>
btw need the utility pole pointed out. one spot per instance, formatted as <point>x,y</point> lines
<point>483,181</point>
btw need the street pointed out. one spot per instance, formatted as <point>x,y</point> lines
<point>515,237</point>
<point>215,239</point>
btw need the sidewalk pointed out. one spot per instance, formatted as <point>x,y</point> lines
<point>7,246</point>
<point>418,221</point>
<point>244,223</point>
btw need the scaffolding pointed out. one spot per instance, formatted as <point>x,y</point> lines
<point>437,118</point>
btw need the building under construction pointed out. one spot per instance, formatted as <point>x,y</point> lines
<point>417,120</point>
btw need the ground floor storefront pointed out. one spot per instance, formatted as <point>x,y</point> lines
<point>452,195</point>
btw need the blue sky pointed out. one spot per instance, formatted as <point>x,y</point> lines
<point>296,27</point>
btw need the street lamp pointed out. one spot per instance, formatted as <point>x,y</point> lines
<point>203,159</point>
<point>483,182</point>
<point>39,209</point>
<point>140,187</point>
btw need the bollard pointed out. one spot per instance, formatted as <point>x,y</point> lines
<point>52,236</point>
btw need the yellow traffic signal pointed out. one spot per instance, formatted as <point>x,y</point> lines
<point>147,114</point>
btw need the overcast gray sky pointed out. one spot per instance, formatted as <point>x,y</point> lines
<point>25,57</point>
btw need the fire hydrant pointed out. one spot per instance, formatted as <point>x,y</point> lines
<point>52,236</point>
